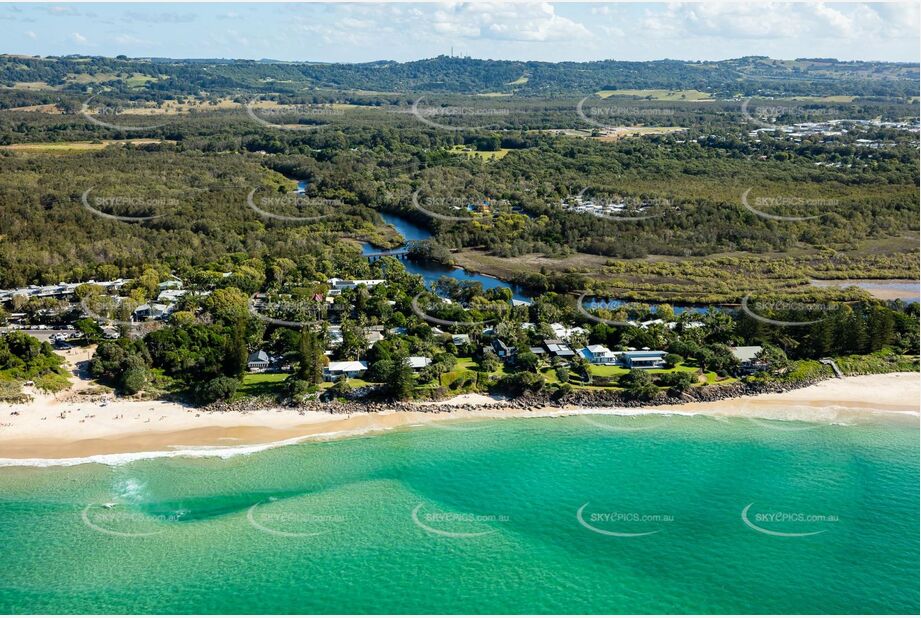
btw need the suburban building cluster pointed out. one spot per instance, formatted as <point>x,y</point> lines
<point>565,347</point>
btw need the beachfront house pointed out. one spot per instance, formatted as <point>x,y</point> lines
<point>599,355</point>
<point>566,332</point>
<point>746,355</point>
<point>258,361</point>
<point>644,359</point>
<point>337,286</point>
<point>503,350</point>
<point>349,369</point>
<point>558,349</point>
<point>418,362</point>
<point>170,296</point>
<point>152,311</point>
<point>373,336</point>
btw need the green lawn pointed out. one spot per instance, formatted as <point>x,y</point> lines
<point>489,155</point>
<point>613,371</point>
<point>607,371</point>
<point>261,384</point>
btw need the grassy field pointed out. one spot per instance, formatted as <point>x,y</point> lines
<point>838,98</point>
<point>47,108</point>
<point>73,147</point>
<point>30,86</point>
<point>658,95</point>
<point>261,384</point>
<point>489,155</point>
<point>520,81</point>
<point>619,133</point>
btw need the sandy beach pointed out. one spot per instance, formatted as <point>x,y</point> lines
<point>71,427</point>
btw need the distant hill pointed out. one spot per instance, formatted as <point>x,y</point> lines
<point>747,76</point>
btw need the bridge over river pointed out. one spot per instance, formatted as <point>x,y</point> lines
<point>400,252</point>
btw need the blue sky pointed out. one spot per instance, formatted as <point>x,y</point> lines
<point>523,30</point>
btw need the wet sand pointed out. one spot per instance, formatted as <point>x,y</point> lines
<point>51,429</point>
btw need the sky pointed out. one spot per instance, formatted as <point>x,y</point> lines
<point>548,31</point>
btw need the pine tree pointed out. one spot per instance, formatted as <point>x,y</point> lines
<point>235,352</point>
<point>310,367</point>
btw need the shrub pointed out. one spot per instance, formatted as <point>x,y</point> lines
<point>217,389</point>
<point>133,380</point>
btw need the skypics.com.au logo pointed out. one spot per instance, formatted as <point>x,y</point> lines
<point>423,305</point>
<point>787,524</point>
<point>613,207</point>
<point>580,307</point>
<point>291,116</point>
<point>622,524</point>
<point>271,207</point>
<point>768,116</point>
<point>116,207</point>
<point>106,115</point>
<point>272,518</point>
<point>291,312</point>
<point>117,520</point>
<point>610,117</point>
<point>768,311</point>
<point>456,525</point>
<point>457,118</point>
<point>473,207</point>
<point>786,202</point>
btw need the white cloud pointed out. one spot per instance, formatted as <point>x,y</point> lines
<point>533,22</point>
<point>78,38</point>
<point>31,35</point>
<point>783,20</point>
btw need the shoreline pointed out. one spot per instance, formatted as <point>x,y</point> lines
<point>49,432</point>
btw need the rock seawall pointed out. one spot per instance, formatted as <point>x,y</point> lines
<point>531,401</point>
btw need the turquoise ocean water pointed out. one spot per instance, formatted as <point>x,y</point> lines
<point>640,515</point>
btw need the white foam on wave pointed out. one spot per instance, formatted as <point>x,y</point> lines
<point>825,415</point>
<point>221,452</point>
<point>636,412</point>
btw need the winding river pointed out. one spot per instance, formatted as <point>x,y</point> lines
<point>432,271</point>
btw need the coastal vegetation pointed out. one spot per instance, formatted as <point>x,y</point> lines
<point>25,359</point>
<point>731,186</point>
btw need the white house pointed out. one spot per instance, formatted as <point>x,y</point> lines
<point>644,359</point>
<point>170,296</point>
<point>373,336</point>
<point>334,333</point>
<point>350,369</point>
<point>747,357</point>
<point>418,362</point>
<point>461,339</point>
<point>338,285</point>
<point>566,332</point>
<point>558,349</point>
<point>152,311</point>
<point>599,355</point>
<point>257,361</point>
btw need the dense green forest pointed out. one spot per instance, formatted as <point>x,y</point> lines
<point>839,200</point>
<point>745,76</point>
